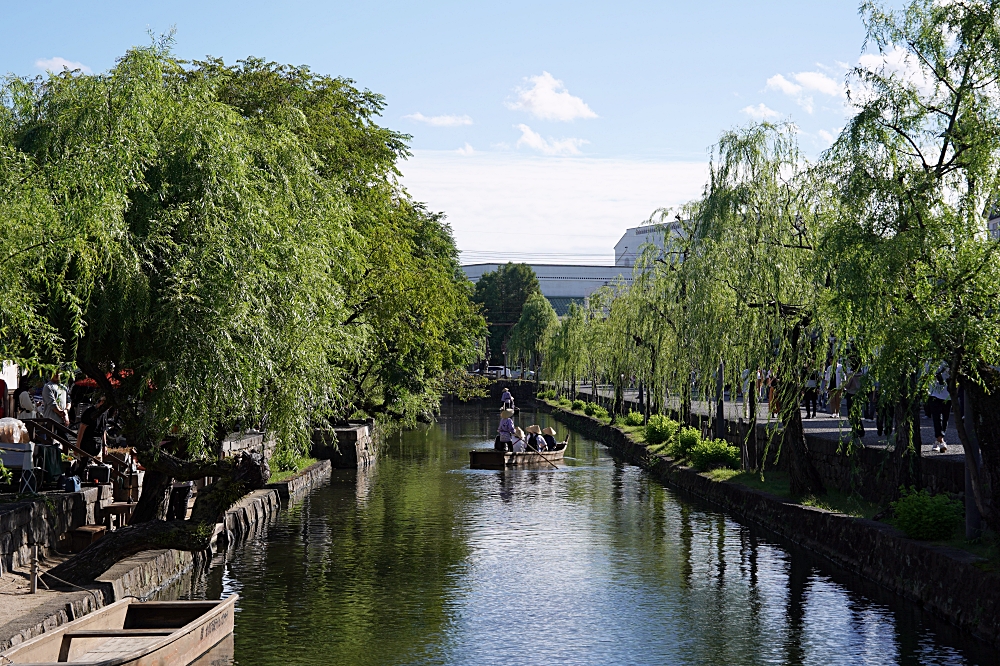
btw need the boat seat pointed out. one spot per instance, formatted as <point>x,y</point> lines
<point>119,642</point>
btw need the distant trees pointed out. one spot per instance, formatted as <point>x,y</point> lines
<point>502,294</point>
<point>534,329</point>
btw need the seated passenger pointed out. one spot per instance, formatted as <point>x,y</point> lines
<point>549,435</point>
<point>535,441</point>
<point>518,442</point>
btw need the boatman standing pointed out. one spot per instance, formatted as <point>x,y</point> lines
<point>505,433</point>
<point>508,399</point>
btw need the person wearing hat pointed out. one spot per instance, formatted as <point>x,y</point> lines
<point>549,435</point>
<point>507,399</point>
<point>518,444</point>
<point>535,441</point>
<point>505,432</point>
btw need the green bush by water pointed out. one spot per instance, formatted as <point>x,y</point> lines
<point>660,429</point>
<point>578,405</point>
<point>686,440</point>
<point>564,402</point>
<point>928,517</point>
<point>546,395</point>
<point>633,419</point>
<point>714,453</point>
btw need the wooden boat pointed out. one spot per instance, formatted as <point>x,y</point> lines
<point>493,459</point>
<point>132,633</point>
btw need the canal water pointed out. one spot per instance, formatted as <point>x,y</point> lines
<point>424,561</point>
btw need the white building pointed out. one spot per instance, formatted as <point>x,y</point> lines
<point>563,284</point>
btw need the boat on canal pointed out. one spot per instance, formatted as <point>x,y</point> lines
<point>132,633</point>
<point>495,459</point>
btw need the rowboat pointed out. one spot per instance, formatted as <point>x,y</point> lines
<point>132,633</point>
<point>493,459</point>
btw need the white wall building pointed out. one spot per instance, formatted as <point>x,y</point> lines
<point>563,284</point>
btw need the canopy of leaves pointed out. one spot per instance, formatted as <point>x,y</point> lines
<point>503,293</point>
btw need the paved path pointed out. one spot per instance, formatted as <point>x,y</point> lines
<point>824,425</point>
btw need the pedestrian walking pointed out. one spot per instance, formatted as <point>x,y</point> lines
<point>939,407</point>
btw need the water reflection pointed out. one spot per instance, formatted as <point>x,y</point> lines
<point>424,561</point>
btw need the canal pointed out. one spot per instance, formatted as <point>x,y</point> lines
<point>424,561</point>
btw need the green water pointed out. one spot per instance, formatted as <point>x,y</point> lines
<point>423,561</point>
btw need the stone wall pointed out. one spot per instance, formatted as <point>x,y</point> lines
<point>42,521</point>
<point>944,581</point>
<point>307,479</point>
<point>347,446</point>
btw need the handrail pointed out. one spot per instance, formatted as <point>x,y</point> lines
<point>35,424</point>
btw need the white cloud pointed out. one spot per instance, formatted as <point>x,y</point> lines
<point>550,146</point>
<point>575,208</point>
<point>759,112</point>
<point>778,82</point>
<point>900,63</point>
<point>805,82</point>
<point>548,99</point>
<point>440,121</point>
<point>826,136</point>
<point>58,64</point>
<point>467,149</point>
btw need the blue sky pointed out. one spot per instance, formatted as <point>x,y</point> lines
<point>543,129</point>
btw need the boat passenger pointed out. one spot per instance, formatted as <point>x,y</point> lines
<point>518,444</point>
<point>505,433</point>
<point>508,399</point>
<point>549,435</point>
<point>535,441</point>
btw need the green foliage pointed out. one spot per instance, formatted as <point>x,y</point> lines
<point>661,429</point>
<point>464,385</point>
<point>928,517</point>
<point>564,402</point>
<point>235,236</point>
<point>633,419</point>
<point>502,294</point>
<point>714,453</point>
<point>530,336</point>
<point>549,394</point>
<point>681,447</point>
<point>578,405</point>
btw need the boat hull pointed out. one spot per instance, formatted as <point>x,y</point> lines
<point>493,459</point>
<point>131,633</point>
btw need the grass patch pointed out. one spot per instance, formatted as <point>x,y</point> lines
<point>301,463</point>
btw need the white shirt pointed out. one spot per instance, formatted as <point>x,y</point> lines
<point>940,389</point>
<point>53,398</point>
<point>518,445</point>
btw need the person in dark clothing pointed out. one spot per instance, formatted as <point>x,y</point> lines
<point>549,435</point>
<point>93,432</point>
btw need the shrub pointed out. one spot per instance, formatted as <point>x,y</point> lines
<point>660,429</point>
<point>589,408</point>
<point>713,453</point>
<point>564,402</point>
<point>601,413</point>
<point>578,405</point>
<point>925,516</point>
<point>546,395</point>
<point>685,441</point>
<point>633,419</point>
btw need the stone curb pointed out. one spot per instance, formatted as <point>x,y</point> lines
<point>944,581</point>
<point>304,480</point>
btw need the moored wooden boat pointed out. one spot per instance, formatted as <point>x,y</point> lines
<point>132,633</point>
<point>493,459</point>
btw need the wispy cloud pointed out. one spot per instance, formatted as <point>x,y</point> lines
<point>759,112</point>
<point>440,121</point>
<point>803,83</point>
<point>58,64</point>
<point>548,99</point>
<point>467,149</point>
<point>550,146</point>
<point>827,137</point>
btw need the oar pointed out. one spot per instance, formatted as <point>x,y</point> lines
<point>546,459</point>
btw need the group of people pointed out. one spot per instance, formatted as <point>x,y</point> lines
<point>511,438</point>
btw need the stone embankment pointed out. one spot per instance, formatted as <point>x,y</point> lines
<point>42,520</point>
<point>947,582</point>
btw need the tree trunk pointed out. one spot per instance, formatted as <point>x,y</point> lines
<point>751,448</point>
<point>803,478</point>
<point>907,443</point>
<point>985,422</point>
<point>236,477</point>
<point>155,497</point>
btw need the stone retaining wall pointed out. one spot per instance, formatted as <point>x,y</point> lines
<point>316,474</point>
<point>944,581</point>
<point>42,521</point>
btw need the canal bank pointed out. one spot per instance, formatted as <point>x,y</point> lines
<point>146,574</point>
<point>944,581</point>
<point>422,560</point>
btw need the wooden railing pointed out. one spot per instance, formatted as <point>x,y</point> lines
<point>48,431</point>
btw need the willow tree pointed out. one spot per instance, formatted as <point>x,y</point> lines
<point>756,272</point>
<point>565,353</point>
<point>533,331</point>
<point>199,250</point>
<point>917,170</point>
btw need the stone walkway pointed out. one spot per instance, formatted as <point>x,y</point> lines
<point>824,426</point>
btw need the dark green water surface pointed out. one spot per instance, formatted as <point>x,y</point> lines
<point>424,561</point>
